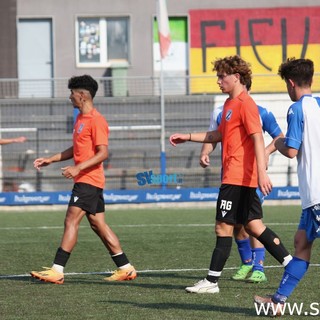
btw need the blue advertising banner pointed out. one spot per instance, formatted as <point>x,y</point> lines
<point>136,196</point>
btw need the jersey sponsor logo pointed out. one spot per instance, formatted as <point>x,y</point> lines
<point>80,127</point>
<point>290,111</point>
<point>228,115</point>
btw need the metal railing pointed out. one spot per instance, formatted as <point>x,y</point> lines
<point>135,122</point>
<point>137,86</point>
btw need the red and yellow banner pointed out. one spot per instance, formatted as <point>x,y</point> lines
<point>263,37</point>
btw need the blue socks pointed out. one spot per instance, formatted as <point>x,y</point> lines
<point>258,255</point>
<point>293,273</point>
<point>251,256</point>
<point>244,249</point>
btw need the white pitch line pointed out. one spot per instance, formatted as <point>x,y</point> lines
<point>144,226</point>
<point>142,271</point>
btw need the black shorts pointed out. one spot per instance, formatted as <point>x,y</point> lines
<point>87,197</point>
<point>238,204</point>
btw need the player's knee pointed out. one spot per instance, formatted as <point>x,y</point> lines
<point>240,232</point>
<point>223,229</point>
<point>255,228</point>
<point>301,243</point>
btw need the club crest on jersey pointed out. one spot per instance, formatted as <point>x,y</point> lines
<point>228,115</point>
<point>80,128</point>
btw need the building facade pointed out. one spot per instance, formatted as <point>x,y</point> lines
<point>58,38</point>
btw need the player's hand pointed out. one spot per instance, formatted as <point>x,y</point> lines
<point>70,172</point>
<point>177,138</point>
<point>265,184</point>
<point>41,162</point>
<point>204,160</point>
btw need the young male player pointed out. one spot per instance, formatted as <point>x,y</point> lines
<point>243,169</point>
<point>302,140</point>
<point>251,251</point>
<point>89,150</point>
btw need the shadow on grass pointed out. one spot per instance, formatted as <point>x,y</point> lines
<point>93,280</point>
<point>163,281</point>
<point>168,275</point>
<point>249,312</point>
<point>24,278</point>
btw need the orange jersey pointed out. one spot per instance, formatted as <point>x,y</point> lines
<point>240,119</point>
<point>90,131</point>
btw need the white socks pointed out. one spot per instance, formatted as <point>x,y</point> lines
<point>58,268</point>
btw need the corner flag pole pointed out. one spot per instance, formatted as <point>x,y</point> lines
<point>164,42</point>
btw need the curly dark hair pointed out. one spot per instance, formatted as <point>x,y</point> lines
<point>232,65</point>
<point>85,82</point>
<point>298,70</point>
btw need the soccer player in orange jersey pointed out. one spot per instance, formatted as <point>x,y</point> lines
<point>243,170</point>
<point>251,251</point>
<point>89,150</point>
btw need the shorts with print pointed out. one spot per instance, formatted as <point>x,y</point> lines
<point>238,204</point>
<point>87,197</point>
<point>310,222</point>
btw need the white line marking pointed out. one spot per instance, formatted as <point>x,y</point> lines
<point>142,271</point>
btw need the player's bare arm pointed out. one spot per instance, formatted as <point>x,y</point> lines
<point>72,171</point>
<point>203,137</point>
<point>283,149</point>
<point>264,181</point>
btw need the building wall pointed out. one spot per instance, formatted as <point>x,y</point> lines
<point>141,12</point>
<point>8,36</point>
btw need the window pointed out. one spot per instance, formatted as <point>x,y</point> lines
<point>101,41</point>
